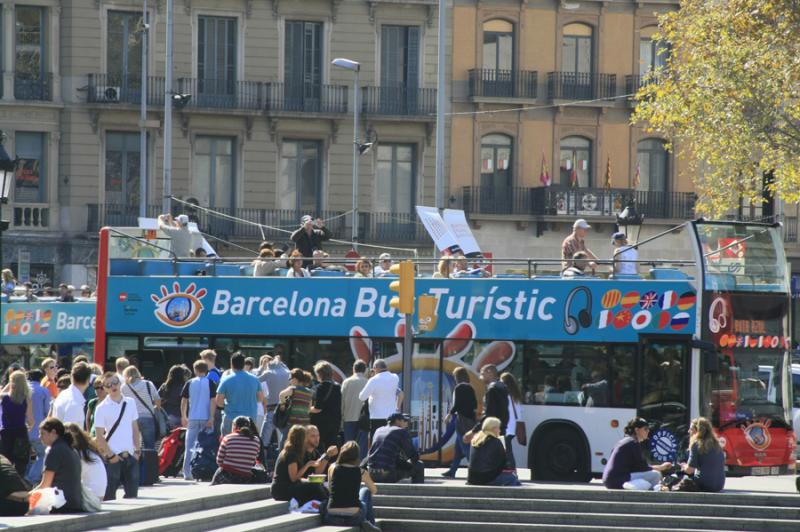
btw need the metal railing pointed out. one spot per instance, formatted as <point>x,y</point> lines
<point>31,216</point>
<point>392,227</point>
<point>398,101</point>
<point>790,229</point>
<point>33,87</point>
<point>114,89</point>
<point>306,98</point>
<point>223,93</point>
<point>556,201</point>
<point>497,83</point>
<point>580,86</point>
<point>636,82</point>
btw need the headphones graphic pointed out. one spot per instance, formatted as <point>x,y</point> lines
<point>572,324</point>
<point>718,315</point>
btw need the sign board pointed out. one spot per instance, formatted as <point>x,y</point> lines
<point>456,221</point>
<point>48,323</point>
<point>441,234</point>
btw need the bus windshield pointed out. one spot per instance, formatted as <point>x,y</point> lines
<point>743,257</point>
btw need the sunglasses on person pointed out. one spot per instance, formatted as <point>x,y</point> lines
<point>51,367</point>
<point>111,384</point>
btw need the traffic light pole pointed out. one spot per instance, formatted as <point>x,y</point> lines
<point>408,353</point>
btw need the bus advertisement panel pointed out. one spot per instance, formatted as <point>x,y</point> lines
<point>48,323</point>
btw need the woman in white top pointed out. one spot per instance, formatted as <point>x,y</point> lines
<point>93,470</point>
<point>514,402</point>
<point>295,265</point>
<point>265,264</point>
<point>144,394</point>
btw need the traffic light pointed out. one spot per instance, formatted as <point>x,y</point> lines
<point>404,286</point>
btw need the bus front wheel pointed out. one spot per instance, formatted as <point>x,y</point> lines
<point>561,455</point>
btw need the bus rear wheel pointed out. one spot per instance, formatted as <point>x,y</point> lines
<point>560,454</point>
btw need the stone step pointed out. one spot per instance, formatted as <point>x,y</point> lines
<point>557,505</point>
<point>418,525</point>
<point>285,522</point>
<point>586,519</point>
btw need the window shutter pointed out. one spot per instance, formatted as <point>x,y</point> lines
<point>412,58</point>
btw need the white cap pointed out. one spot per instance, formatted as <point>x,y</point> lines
<point>385,256</point>
<point>580,223</point>
<point>183,219</point>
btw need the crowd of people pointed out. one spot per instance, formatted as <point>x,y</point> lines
<point>15,291</point>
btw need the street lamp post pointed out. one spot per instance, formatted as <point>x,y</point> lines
<point>630,216</point>
<point>143,119</point>
<point>7,168</point>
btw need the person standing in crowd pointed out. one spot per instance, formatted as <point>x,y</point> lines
<point>326,408</point>
<point>625,256</point>
<point>489,461</point>
<point>276,376</point>
<point>50,380</point>
<point>91,406</point>
<point>706,464</point>
<point>575,242</point>
<point>121,364</point>
<point>70,404</point>
<point>238,453</point>
<point>351,406</point>
<point>17,416</point>
<point>62,465</point>
<point>209,356</point>
<point>118,438</point>
<point>170,393</point>
<point>93,470</point>
<point>146,399</point>
<point>465,407</point>
<point>309,237</point>
<point>314,451</point>
<point>65,294</point>
<point>392,456</point>
<point>40,401</point>
<point>349,503</point>
<point>238,394</point>
<point>262,405</point>
<point>514,409</point>
<point>626,467</point>
<point>14,490</point>
<point>495,399</point>
<point>298,397</point>
<point>384,396</point>
<point>197,411</point>
<point>178,232</point>
<point>383,266</point>
<point>288,482</point>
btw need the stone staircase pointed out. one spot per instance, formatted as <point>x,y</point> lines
<point>454,506</point>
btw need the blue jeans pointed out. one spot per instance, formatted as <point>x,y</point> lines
<point>147,427</point>
<point>269,427</point>
<point>461,451</point>
<point>366,513</point>
<point>506,479</point>
<point>35,468</point>
<point>227,424</point>
<point>353,433</point>
<point>125,473</point>
<point>195,427</point>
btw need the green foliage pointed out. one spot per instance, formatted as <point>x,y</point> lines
<point>729,97</point>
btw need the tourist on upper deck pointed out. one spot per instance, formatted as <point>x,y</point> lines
<point>86,291</point>
<point>363,268</point>
<point>445,268</point>
<point>575,242</point>
<point>625,255</point>
<point>627,467</point>
<point>200,253</point>
<point>462,269</point>
<point>310,237</point>
<point>65,294</point>
<point>320,262</point>
<point>578,265</point>
<point>8,282</point>
<point>382,268</point>
<point>29,295</point>
<point>265,264</point>
<point>295,265</point>
<point>178,231</point>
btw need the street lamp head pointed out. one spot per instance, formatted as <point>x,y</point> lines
<point>629,216</point>
<point>347,64</point>
<point>180,100</point>
<point>364,148</point>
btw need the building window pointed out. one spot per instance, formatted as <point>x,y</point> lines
<point>652,162</point>
<point>400,56</point>
<point>576,162</point>
<point>214,179</point>
<point>652,56</point>
<point>216,57</point>
<point>300,177</point>
<point>31,177</point>
<point>498,45</point>
<point>29,63</point>
<point>122,168</point>
<point>576,54</point>
<point>497,176</point>
<point>303,64</point>
<point>395,178</point>
<point>124,49</point>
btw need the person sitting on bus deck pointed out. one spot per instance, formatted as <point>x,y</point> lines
<point>238,452</point>
<point>625,256</point>
<point>265,265</point>
<point>310,237</point>
<point>383,266</point>
<point>288,482</point>
<point>65,294</point>
<point>575,242</point>
<point>579,263</point>
<point>200,253</point>
<point>595,393</point>
<point>363,268</point>
<point>29,296</point>
<point>706,464</point>
<point>462,269</point>
<point>178,232</point>
<point>626,467</point>
<point>488,463</point>
<point>444,269</point>
<point>392,456</point>
<point>295,265</point>
<point>319,262</point>
<point>313,452</point>
<point>86,291</point>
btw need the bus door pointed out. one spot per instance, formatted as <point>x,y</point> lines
<point>664,397</point>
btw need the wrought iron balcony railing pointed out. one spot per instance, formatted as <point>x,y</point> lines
<point>580,86</point>
<point>498,83</point>
<point>114,89</point>
<point>306,98</point>
<point>398,101</point>
<point>223,93</point>
<point>36,87</point>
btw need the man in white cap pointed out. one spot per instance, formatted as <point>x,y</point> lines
<point>576,242</point>
<point>382,268</point>
<point>178,232</point>
<point>310,237</point>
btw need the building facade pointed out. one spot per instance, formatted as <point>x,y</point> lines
<point>266,133</point>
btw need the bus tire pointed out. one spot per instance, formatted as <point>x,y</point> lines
<point>560,454</point>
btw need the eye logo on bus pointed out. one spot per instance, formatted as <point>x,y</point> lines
<point>178,309</point>
<point>757,434</point>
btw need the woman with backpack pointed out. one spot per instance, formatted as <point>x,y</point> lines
<point>238,453</point>
<point>170,393</point>
<point>16,418</point>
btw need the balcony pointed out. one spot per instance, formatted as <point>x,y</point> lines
<point>227,94</point>
<point>113,89</point>
<point>399,101</point>
<point>790,229</point>
<point>33,88</point>
<point>556,201</point>
<point>504,84</point>
<point>31,216</point>
<point>580,86</point>
<point>306,98</point>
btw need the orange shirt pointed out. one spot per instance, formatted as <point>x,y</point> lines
<point>51,386</point>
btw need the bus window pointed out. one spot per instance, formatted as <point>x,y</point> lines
<point>664,390</point>
<point>336,351</point>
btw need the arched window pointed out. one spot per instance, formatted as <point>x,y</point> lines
<point>652,165</point>
<point>651,54</point>
<point>576,54</point>
<point>498,45</point>
<point>497,176</point>
<point>576,162</point>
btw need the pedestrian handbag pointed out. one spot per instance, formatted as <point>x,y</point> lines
<point>363,417</point>
<point>464,424</point>
<point>281,416</point>
<point>161,417</point>
<point>520,430</point>
<point>159,433</point>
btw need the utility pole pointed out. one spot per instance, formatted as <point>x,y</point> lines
<point>168,114</point>
<point>143,119</point>
<point>440,106</point>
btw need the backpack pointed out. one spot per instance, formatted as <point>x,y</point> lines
<point>204,456</point>
<point>170,453</point>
